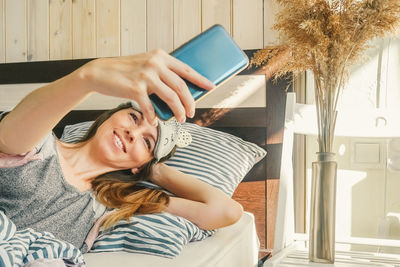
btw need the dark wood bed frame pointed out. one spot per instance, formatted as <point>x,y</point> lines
<point>264,126</point>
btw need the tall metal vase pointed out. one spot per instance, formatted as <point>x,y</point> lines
<point>323,209</point>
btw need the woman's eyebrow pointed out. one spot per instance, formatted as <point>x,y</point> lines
<point>141,113</point>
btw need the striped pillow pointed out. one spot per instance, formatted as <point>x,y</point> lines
<point>161,234</point>
<point>217,158</point>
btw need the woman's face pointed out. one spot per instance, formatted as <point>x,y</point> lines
<point>126,140</point>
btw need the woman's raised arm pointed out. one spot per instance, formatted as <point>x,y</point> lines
<point>200,203</point>
<point>132,77</point>
<point>27,124</point>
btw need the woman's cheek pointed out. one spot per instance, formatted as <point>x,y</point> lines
<point>140,154</point>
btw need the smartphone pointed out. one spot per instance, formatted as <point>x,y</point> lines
<point>215,55</point>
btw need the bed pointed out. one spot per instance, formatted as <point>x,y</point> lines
<point>236,245</point>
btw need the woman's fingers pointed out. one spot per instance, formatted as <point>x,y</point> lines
<point>176,83</point>
<point>147,108</point>
<point>189,74</point>
<point>170,97</point>
<point>151,78</point>
<point>138,76</point>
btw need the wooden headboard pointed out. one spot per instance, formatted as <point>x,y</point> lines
<point>263,126</point>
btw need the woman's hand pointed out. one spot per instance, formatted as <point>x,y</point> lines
<point>156,172</point>
<point>135,77</point>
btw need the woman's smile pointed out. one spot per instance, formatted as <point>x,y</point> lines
<point>118,142</point>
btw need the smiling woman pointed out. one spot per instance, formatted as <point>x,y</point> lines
<point>124,145</point>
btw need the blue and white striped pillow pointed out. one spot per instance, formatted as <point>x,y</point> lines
<point>161,234</point>
<point>217,158</point>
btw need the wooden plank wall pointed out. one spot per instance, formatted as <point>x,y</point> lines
<point>37,30</point>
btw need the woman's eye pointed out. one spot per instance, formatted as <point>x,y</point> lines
<point>148,143</point>
<point>134,117</point>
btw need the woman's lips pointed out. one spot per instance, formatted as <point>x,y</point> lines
<point>118,142</point>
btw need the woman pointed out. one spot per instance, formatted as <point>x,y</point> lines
<point>52,189</point>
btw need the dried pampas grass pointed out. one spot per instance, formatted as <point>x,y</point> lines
<point>326,37</point>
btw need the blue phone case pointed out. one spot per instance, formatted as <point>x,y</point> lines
<point>213,54</point>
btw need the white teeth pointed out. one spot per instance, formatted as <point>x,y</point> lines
<point>119,143</point>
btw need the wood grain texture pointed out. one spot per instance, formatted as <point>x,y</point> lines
<point>216,12</point>
<point>271,36</point>
<point>97,28</point>
<point>38,30</point>
<point>251,196</point>
<point>160,19</point>
<point>248,23</point>
<point>84,29</point>
<point>133,27</point>
<point>2,32</point>
<point>60,29</point>
<point>272,190</point>
<point>15,23</point>
<point>107,28</point>
<point>187,20</point>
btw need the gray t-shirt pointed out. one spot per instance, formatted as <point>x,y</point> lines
<point>36,195</point>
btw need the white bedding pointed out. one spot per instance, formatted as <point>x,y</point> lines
<point>235,245</point>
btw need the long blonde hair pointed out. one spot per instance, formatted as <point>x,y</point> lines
<point>120,190</point>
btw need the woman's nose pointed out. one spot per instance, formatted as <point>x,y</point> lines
<point>129,136</point>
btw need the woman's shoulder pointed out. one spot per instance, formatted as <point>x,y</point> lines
<point>44,148</point>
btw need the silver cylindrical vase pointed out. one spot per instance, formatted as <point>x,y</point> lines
<point>323,209</point>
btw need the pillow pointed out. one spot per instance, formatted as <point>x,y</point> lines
<point>217,158</point>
